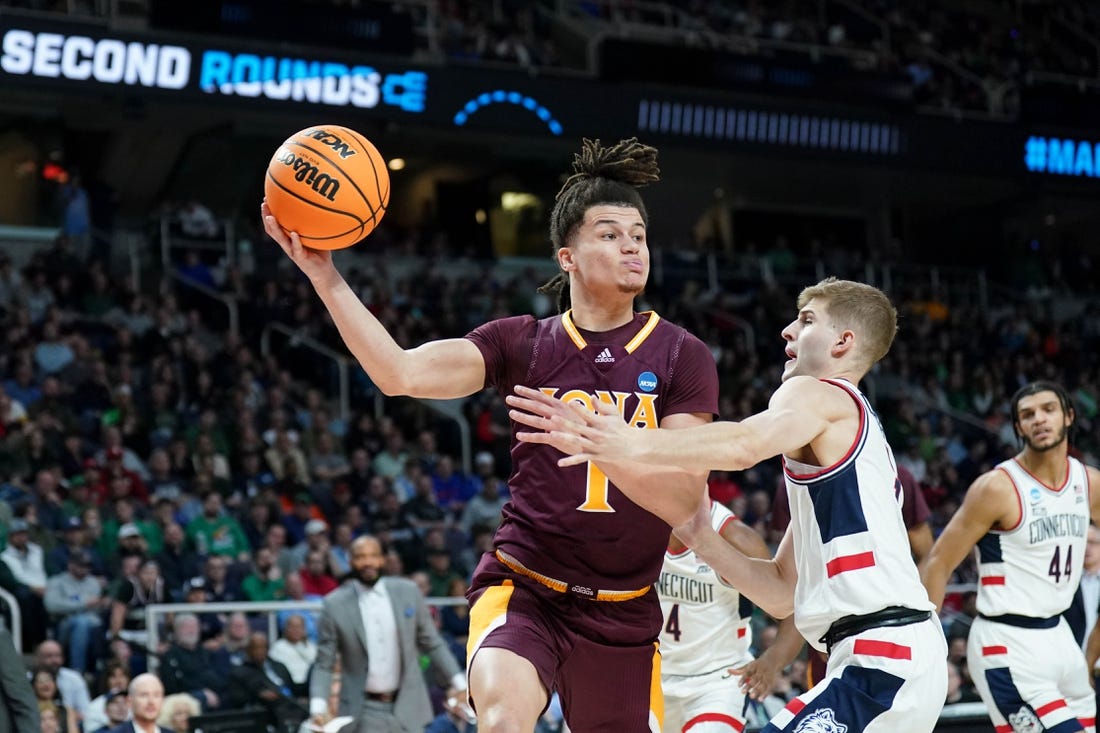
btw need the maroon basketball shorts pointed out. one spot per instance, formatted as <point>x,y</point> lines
<point>600,656</point>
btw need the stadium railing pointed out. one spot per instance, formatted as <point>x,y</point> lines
<point>271,609</point>
<point>228,301</point>
<point>958,717</point>
<point>343,363</point>
<point>449,409</point>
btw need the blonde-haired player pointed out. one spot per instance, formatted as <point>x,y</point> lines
<point>843,565</point>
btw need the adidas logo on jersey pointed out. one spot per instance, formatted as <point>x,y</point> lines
<point>605,357</point>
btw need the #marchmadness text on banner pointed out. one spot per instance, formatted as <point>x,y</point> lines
<point>1061,156</point>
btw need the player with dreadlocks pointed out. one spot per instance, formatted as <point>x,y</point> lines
<point>565,602</point>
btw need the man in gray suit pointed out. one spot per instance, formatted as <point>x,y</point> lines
<point>379,627</point>
<point>18,708</point>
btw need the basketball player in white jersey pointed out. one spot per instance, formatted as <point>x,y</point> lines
<point>706,635</point>
<point>1029,519</point>
<point>843,566</point>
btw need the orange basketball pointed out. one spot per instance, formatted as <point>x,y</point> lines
<point>328,184</point>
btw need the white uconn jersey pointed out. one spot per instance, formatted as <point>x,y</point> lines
<point>850,544</point>
<point>1034,568</point>
<point>706,625</point>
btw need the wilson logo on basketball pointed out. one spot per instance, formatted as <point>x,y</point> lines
<point>328,184</point>
<point>333,141</point>
<point>307,173</point>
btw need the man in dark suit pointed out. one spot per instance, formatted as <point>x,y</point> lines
<point>189,667</point>
<point>260,681</point>
<point>146,695</point>
<point>379,627</point>
<point>18,708</point>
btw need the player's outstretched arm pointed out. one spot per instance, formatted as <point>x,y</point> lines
<point>990,502</point>
<point>767,583</point>
<point>799,411</point>
<point>759,676</point>
<point>439,369</point>
<point>672,493</point>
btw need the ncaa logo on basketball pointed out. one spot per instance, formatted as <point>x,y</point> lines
<point>1036,496</point>
<point>820,721</point>
<point>333,141</point>
<point>647,381</point>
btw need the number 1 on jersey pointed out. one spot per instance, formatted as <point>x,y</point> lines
<point>595,491</point>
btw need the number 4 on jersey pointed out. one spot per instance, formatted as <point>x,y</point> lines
<point>672,626</point>
<point>1056,570</point>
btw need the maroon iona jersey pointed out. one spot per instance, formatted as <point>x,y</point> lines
<point>572,524</point>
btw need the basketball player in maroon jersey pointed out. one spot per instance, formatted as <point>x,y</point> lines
<point>565,602</point>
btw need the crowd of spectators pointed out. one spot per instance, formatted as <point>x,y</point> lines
<point>968,57</point>
<point>973,57</point>
<point>148,455</point>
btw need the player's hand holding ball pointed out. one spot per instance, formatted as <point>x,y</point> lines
<point>326,188</point>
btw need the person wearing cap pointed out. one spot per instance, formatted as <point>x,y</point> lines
<point>112,544</point>
<point>115,676</point>
<point>215,533</point>
<point>116,708</point>
<point>73,541</point>
<point>26,561</point>
<point>120,477</point>
<point>76,599</point>
<point>131,541</point>
<point>92,478</point>
<point>78,498</point>
<point>298,515</point>
<point>210,625</point>
<point>316,539</point>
